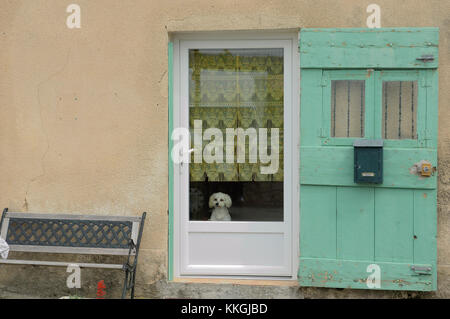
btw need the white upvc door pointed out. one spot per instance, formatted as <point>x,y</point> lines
<point>238,248</point>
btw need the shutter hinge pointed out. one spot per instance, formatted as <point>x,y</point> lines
<point>426,58</point>
<point>421,270</point>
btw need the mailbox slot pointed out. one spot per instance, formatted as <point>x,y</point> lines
<point>368,161</point>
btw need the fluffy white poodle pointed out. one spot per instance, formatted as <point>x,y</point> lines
<point>220,202</point>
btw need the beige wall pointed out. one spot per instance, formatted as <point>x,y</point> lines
<point>84,111</point>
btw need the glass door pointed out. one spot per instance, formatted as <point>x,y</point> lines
<point>236,214</point>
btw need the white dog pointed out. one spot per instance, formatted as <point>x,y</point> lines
<point>220,203</point>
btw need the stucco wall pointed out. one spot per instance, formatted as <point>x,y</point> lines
<point>84,111</point>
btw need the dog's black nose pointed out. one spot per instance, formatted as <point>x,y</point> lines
<point>217,204</point>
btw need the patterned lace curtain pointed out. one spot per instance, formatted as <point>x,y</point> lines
<point>237,88</point>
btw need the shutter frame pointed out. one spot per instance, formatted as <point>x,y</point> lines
<point>324,259</point>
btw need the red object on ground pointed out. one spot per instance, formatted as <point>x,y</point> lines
<point>100,292</point>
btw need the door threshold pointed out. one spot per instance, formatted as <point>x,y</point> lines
<point>238,281</point>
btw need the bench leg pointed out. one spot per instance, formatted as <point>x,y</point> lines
<point>125,284</point>
<point>129,282</point>
<point>133,277</point>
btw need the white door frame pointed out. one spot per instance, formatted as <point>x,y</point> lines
<point>240,39</point>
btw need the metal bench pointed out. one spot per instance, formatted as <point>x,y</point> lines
<point>75,234</point>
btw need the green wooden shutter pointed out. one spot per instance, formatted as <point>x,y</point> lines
<point>346,227</point>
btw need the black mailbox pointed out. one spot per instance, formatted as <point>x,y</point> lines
<point>368,161</point>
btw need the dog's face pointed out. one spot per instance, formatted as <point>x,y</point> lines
<point>219,200</point>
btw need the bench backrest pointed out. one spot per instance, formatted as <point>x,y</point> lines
<point>74,234</point>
